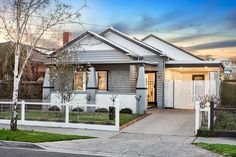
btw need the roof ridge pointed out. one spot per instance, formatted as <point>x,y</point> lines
<point>132,40</point>
<point>121,47</point>
<point>108,42</point>
<point>173,45</point>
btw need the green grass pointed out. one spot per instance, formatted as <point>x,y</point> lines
<point>223,149</point>
<point>34,137</point>
<point>75,117</point>
<point>126,118</point>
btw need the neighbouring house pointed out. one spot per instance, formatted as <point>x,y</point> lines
<point>142,73</point>
<point>33,75</point>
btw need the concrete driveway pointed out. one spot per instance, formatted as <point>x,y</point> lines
<point>165,122</point>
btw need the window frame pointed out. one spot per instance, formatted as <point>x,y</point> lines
<point>85,80</point>
<point>106,79</point>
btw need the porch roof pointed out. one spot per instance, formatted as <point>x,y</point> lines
<point>108,62</point>
<point>171,64</point>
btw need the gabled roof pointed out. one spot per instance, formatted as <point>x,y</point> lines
<point>141,44</point>
<point>181,49</point>
<point>98,37</point>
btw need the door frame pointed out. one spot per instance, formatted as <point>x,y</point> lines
<point>155,88</point>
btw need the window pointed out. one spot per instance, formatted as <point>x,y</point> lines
<point>102,80</point>
<point>198,77</point>
<point>81,80</point>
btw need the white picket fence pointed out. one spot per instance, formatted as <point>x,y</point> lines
<point>183,93</point>
<point>198,118</point>
<point>66,122</point>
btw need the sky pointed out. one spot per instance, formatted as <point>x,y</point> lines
<point>204,27</point>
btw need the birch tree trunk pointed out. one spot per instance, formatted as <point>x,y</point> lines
<point>13,124</point>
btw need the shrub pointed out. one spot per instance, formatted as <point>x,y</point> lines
<point>102,110</point>
<point>78,109</point>
<point>203,132</point>
<point>226,121</point>
<point>54,108</point>
<point>228,94</point>
<point>126,110</point>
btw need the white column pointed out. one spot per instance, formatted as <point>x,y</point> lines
<point>92,86</point>
<point>141,92</point>
<point>47,86</point>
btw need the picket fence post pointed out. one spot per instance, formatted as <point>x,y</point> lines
<point>197,116</point>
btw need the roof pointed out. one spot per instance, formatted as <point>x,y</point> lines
<point>112,44</point>
<point>194,64</point>
<point>117,62</point>
<point>181,49</point>
<point>143,45</point>
<point>38,55</point>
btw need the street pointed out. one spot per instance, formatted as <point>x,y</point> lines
<point>18,152</point>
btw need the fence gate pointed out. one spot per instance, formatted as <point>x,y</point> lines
<point>183,93</point>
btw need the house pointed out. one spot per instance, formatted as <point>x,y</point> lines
<point>36,65</point>
<point>142,73</point>
<point>33,76</point>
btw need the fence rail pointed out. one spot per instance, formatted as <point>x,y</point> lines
<point>63,115</point>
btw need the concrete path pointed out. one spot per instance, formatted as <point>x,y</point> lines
<point>133,144</point>
<point>166,122</point>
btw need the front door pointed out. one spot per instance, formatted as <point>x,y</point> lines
<point>151,88</point>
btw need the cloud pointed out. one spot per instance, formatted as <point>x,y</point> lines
<point>231,19</point>
<point>188,38</point>
<point>148,22</point>
<point>122,26</point>
<point>211,45</point>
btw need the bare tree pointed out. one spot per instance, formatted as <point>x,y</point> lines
<point>27,22</point>
<point>62,72</point>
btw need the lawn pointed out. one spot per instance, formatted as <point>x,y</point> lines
<point>223,149</point>
<point>74,117</point>
<point>34,137</point>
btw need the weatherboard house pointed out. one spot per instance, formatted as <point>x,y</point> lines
<point>142,73</point>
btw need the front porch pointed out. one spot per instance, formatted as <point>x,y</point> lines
<point>102,84</point>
